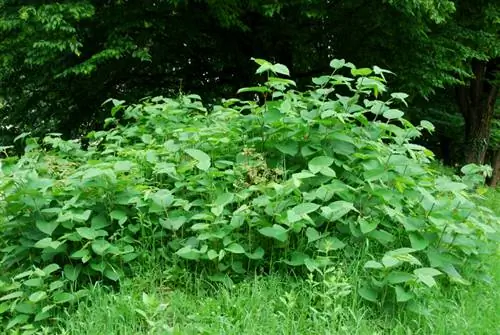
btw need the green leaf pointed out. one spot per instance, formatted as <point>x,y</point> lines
<point>257,254</point>
<point>63,297</point>
<point>13,295</point>
<point>123,166</point>
<point>112,274</point>
<point>254,89</point>
<point>34,282</point>
<point>330,243</point>
<point>290,148</point>
<point>337,63</point>
<point>224,199</point>
<point>382,236</point>
<point>20,319</point>
<point>212,254</point>
<point>390,262</point>
<point>361,72</point>
<point>368,293</point>
<point>87,233</point>
<point>398,277</point>
<point>202,158</point>
<point>276,231</point>
<point>100,246</point>
<point>373,265</point>
<point>393,114</point>
<point>305,208</point>
<point>367,225</point>
<point>118,215</point>
<point>37,296</point>
<point>418,242</point>
<point>50,268</point>
<point>402,295</point>
<point>173,223</point>
<point>72,272</point>
<point>281,69</point>
<point>427,125</point>
<point>337,209</point>
<point>26,308</point>
<point>235,248</point>
<point>312,235</point>
<point>47,227</point>
<point>188,252</point>
<point>426,275</point>
<point>318,163</point>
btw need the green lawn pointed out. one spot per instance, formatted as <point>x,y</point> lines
<point>274,305</point>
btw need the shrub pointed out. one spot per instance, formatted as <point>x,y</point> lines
<point>302,181</point>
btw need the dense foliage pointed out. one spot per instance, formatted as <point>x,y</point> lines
<point>302,182</point>
<point>60,61</point>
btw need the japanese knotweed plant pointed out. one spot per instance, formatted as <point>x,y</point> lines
<point>301,180</point>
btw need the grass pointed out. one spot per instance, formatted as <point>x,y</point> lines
<point>160,301</point>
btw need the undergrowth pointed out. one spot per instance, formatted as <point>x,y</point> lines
<point>298,184</point>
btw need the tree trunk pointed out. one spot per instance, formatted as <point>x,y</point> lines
<point>495,164</point>
<point>476,102</point>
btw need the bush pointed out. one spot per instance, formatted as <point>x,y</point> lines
<point>302,181</point>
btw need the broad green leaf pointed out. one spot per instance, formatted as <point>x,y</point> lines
<point>390,262</point>
<point>426,275</point>
<point>373,265</point>
<point>50,268</point>
<point>368,293</point>
<point>118,215</point>
<point>173,223</point>
<point>254,89</point>
<point>19,319</point>
<point>276,231</point>
<point>111,273</point>
<point>188,252</point>
<point>337,63</point>
<point>257,254</point>
<point>393,114</point>
<point>312,235</point>
<point>311,264</point>
<point>37,296</point>
<point>305,208</point>
<point>367,225</point>
<point>318,163</point>
<point>72,272</point>
<point>202,158</point>
<point>361,72</point>
<point>224,199</point>
<point>297,259</point>
<point>290,148</point>
<point>398,277</point>
<point>330,243</point>
<point>26,308</point>
<point>100,246</point>
<point>427,125</point>
<point>382,236</point>
<point>235,248</point>
<point>123,166</point>
<point>13,295</point>
<point>337,209</point>
<point>63,297</point>
<point>212,254</point>
<point>34,282</point>
<point>401,294</point>
<point>418,242</point>
<point>87,233</point>
<point>47,227</point>
<point>281,69</point>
